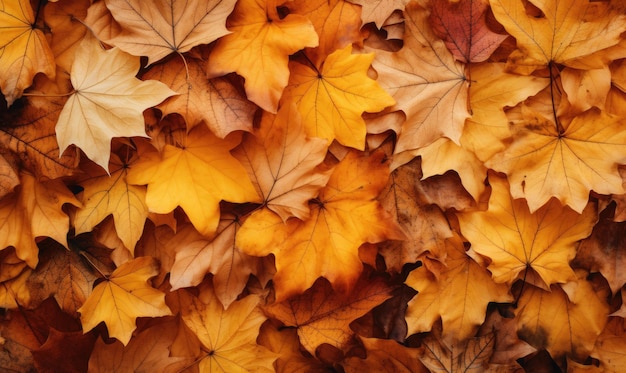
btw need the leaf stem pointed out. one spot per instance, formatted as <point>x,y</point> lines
<point>559,128</point>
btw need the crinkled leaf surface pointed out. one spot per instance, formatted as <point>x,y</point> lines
<point>378,11</point>
<point>124,296</point>
<point>108,101</point>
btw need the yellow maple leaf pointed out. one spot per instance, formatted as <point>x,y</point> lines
<point>24,50</point>
<point>284,164</point>
<point>543,162</point>
<point>228,336</point>
<point>35,210</point>
<point>158,28</point>
<point>122,297</point>
<point>428,84</point>
<point>331,98</point>
<point>344,216</point>
<point>259,47</point>
<point>324,316</point>
<point>195,177</point>
<point>564,32</point>
<point>106,195</point>
<point>516,240</point>
<point>567,319</point>
<point>458,294</point>
<point>108,101</point>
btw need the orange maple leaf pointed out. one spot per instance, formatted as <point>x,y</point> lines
<point>516,240</point>
<point>543,162</point>
<point>105,195</point>
<point>567,319</point>
<point>158,28</point>
<point>195,177</point>
<point>324,316</point>
<point>35,210</point>
<point>284,164</point>
<point>259,47</point>
<point>332,97</point>
<point>344,216</point>
<point>122,297</point>
<point>427,83</point>
<point>108,101</point>
<point>228,336</point>
<point>458,294</point>
<point>337,23</point>
<point>564,32</point>
<point>24,50</point>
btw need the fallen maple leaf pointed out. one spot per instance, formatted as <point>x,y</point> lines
<point>471,355</point>
<point>64,275</point>
<point>516,240</point>
<point>24,50</point>
<point>458,294</point>
<point>337,23</point>
<point>423,223</point>
<point>122,297</point>
<point>259,47</point>
<point>35,210</point>
<point>229,336</point>
<point>108,101</point>
<point>563,322</point>
<point>285,343</point>
<point>65,21</point>
<point>28,132</point>
<point>378,11</point>
<point>196,256</point>
<point>610,345</point>
<point>344,216</point>
<point>323,316</point>
<point>462,26</point>
<point>147,351</point>
<point>195,177</point>
<point>557,34</point>
<point>603,252</point>
<point>543,162</point>
<point>217,102</point>
<point>284,164</point>
<point>429,86</point>
<point>159,28</point>
<point>105,195</point>
<point>332,97</point>
<point>386,356</point>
